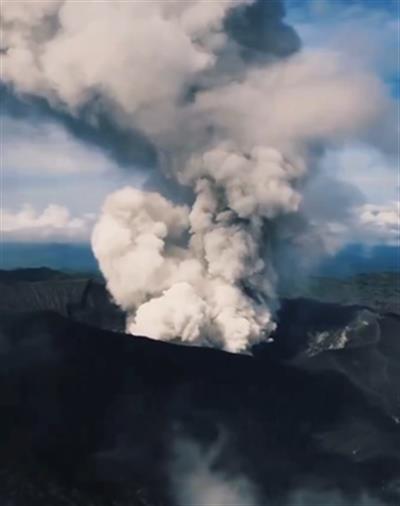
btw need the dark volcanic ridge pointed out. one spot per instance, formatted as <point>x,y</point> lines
<point>378,291</point>
<point>75,296</point>
<point>90,416</point>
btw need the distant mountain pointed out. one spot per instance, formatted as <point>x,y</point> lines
<point>353,259</point>
<point>31,274</point>
<point>378,291</point>
<point>76,296</point>
<point>65,257</point>
<point>359,259</point>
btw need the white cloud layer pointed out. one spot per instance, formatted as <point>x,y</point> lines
<point>375,175</point>
<point>379,224</point>
<point>54,223</point>
<point>367,224</point>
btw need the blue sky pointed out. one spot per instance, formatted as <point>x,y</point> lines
<point>50,158</point>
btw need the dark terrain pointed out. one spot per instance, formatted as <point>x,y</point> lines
<point>90,416</point>
<point>378,291</point>
<point>75,296</point>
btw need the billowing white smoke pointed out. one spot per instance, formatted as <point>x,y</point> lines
<point>182,272</point>
<point>239,131</point>
<point>174,290</point>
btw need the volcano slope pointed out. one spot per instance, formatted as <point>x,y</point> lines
<point>94,417</point>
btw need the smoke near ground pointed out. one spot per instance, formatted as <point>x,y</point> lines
<point>199,477</point>
<point>196,479</point>
<point>239,120</point>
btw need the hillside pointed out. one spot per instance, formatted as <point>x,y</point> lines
<point>94,417</point>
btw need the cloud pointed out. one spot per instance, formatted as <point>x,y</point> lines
<point>379,224</point>
<point>369,170</point>
<point>43,161</point>
<point>367,224</point>
<point>365,32</point>
<point>54,223</point>
<point>47,148</point>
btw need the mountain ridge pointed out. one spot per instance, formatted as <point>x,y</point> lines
<point>91,415</point>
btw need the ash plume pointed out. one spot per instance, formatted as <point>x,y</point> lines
<point>237,119</point>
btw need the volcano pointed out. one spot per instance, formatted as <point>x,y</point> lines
<point>90,415</point>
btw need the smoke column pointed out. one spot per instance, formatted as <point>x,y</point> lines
<point>238,116</point>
